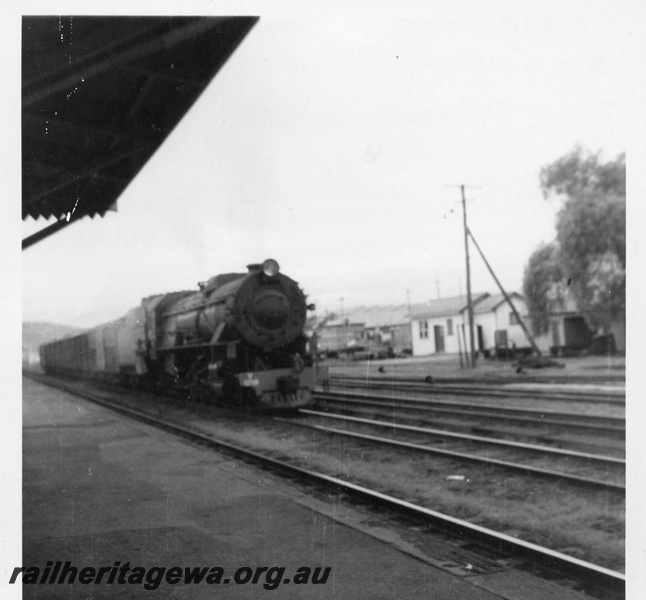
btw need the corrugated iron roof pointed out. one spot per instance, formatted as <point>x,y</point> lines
<point>493,302</point>
<point>100,94</point>
<point>445,307</point>
<point>380,316</point>
<point>344,322</point>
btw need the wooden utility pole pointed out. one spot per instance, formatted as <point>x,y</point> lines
<point>472,352</point>
<point>528,335</point>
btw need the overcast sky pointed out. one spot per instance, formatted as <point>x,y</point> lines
<point>329,141</point>
<point>333,141</point>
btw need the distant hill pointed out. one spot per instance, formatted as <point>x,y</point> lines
<point>36,334</point>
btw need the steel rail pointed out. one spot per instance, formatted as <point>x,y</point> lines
<point>547,473</point>
<point>503,543</point>
<point>591,380</point>
<point>474,390</point>
<point>607,460</point>
<point>523,415</point>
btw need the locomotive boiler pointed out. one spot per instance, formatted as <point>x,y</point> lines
<point>239,339</point>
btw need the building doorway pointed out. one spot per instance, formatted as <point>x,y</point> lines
<point>481,345</point>
<point>439,338</point>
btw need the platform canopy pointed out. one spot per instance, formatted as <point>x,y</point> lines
<point>100,94</point>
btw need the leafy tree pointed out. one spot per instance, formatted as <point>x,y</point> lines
<point>591,232</point>
<point>542,284</point>
<point>579,171</point>
<point>590,246</point>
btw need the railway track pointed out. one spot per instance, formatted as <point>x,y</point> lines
<point>607,463</point>
<point>586,573</point>
<point>608,396</point>
<point>606,425</point>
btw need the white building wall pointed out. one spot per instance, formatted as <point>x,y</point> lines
<point>515,333</point>
<point>451,340</point>
<point>489,323</point>
<point>422,346</point>
<point>501,319</point>
<point>425,346</point>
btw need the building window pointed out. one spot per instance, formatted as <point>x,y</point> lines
<point>423,330</point>
<point>449,327</point>
<point>512,319</point>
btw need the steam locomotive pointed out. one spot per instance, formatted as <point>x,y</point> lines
<point>239,340</point>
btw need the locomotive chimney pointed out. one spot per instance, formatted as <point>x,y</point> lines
<point>254,267</point>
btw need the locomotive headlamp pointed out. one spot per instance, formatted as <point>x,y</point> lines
<point>270,267</point>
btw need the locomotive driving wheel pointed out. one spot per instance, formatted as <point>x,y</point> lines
<point>248,399</point>
<point>202,393</point>
<point>243,398</point>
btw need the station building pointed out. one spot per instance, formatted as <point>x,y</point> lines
<point>442,327</point>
